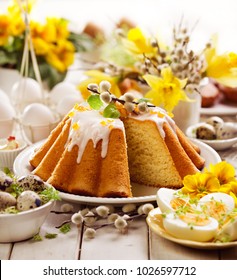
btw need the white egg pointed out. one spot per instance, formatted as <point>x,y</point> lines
<point>170,200</point>
<point>189,227</point>
<point>37,114</point>
<point>216,205</point>
<point>62,90</point>
<point>67,103</point>
<point>26,90</point>
<point>163,198</point>
<point>228,231</point>
<point>7,112</point>
<point>4,97</point>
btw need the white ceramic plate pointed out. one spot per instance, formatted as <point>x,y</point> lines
<point>220,109</point>
<point>141,193</point>
<point>215,144</point>
<point>154,220</point>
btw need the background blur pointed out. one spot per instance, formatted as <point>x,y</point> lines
<point>157,16</point>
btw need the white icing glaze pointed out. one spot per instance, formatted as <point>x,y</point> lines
<point>91,125</point>
<point>158,119</point>
<point>88,124</point>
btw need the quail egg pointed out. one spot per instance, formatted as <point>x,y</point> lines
<point>5,181</point>
<point>6,200</point>
<point>215,121</point>
<point>28,200</point>
<point>206,131</point>
<point>32,183</point>
<point>226,131</point>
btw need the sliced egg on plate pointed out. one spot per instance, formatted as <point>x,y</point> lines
<point>228,231</point>
<point>217,205</point>
<point>171,200</point>
<point>190,226</point>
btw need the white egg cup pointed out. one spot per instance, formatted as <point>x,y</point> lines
<point>34,133</point>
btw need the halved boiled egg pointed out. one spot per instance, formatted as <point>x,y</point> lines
<point>228,231</point>
<point>190,226</point>
<point>217,205</point>
<point>171,200</point>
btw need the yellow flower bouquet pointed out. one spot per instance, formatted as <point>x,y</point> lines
<point>54,44</point>
<point>171,71</point>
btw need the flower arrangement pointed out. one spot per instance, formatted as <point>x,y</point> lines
<point>54,44</point>
<point>171,71</point>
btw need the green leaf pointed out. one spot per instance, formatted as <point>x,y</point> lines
<point>37,237</point>
<point>111,111</point>
<point>95,101</point>
<point>65,228</point>
<point>50,235</point>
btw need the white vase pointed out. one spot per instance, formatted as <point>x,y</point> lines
<point>188,113</point>
<point>8,77</point>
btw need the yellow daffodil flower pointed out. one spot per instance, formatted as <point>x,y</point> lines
<point>222,68</point>
<point>5,23</point>
<point>200,184</point>
<point>137,43</point>
<point>166,90</point>
<point>61,55</point>
<point>59,28</point>
<point>223,171</point>
<point>96,77</point>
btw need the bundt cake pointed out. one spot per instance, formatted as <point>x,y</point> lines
<point>90,154</point>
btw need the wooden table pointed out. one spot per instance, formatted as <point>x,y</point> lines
<point>138,243</point>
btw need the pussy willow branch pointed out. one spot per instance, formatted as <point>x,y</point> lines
<point>114,99</point>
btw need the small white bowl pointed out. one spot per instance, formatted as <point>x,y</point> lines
<point>216,144</point>
<point>23,225</point>
<point>7,157</point>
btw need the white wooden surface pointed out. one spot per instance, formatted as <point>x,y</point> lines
<point>138,243</point>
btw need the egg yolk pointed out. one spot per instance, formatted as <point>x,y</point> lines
<point>215,209</point>
<point>195,219</point>
<point>178,203</point>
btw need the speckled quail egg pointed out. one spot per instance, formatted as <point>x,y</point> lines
<point>226,131</point>
<point>215,121</point>
<point>31,182</point>
<point>28,200</point>
<point>206,131</point>
<point>5,181</point>
<point>6,200</point>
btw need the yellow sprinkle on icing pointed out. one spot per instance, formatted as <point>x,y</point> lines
<point>111,127</point>
<point>103,123</point>
<point>80,108</point>
<point>75,126</point>
<point>106,122</point>
<point>160,115</point>
<point>71,114</point>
